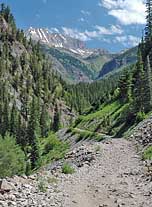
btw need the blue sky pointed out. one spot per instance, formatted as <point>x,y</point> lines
<point>109,24</point>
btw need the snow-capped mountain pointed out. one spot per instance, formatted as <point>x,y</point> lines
<point>58,40</point>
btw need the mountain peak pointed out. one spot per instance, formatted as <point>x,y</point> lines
<point>59,40</point>
<point>54,39</point>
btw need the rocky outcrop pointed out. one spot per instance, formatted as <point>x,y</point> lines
<point>143,133</point>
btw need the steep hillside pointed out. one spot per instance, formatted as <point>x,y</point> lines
<point>98,59</point>
<point>32,101</point>
<point>71,67</point>
<point>119,61</point>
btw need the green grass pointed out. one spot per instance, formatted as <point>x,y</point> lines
<point>97,148</point>
<point>67,169</point>
<point>51,148</point>
<point>147,155</point>
<point>42,185</point>
<point>101,120</point>
<point>104,110</point>
<point>108,119</point>
<point>52,180</point>
<point>86,135</point>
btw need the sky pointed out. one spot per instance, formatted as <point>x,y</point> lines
<point>111,24</point>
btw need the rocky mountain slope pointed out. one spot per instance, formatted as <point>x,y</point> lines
<point>58,40</point>
<point>120,61</point>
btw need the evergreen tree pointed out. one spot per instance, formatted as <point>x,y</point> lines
<point>56,119</point>
<point>44,121</point>
<point>14,120</point>
<point>138,85</point>
<point>148,28</point>
<point>33,132</point>
<point>125,87</point>
<point>5,123</point>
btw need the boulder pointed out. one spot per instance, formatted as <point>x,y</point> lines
<point>7,186</point>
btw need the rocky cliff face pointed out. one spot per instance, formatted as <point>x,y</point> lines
<point>54,39</point>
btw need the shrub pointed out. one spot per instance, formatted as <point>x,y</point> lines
<point>12,158</point>
<point>98,148</point>
<point>52,180</point>
<point>140,116</point>
<point>42,186</point>
<point>148,153</point>
<point>67,169</point>
<point>52,149</point>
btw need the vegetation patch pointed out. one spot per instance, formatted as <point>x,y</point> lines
<point>86,135</point>
<point>12,158</point>
<point>42,185</point>
<point>147,155</point>
<point>51,148</point>
<point>67,169</point>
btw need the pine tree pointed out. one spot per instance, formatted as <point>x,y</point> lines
<point>14,120</point>
<point>5,123</point>
<point>33,132</point>
<point>56,119</point>
<point>148,28</point>
<point>44,121</point>
<point>138,85</point>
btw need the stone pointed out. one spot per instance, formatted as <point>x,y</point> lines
<point>7,185</point>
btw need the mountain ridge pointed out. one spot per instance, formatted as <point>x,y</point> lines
<point>59,40</point>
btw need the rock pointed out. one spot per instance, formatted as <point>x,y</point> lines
<point>3,204</point>
<point>11,203</point>
<point>7,185</point>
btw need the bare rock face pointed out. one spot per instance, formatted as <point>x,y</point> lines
<point>54,39</point>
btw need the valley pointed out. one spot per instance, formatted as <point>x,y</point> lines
<point>75,122</point>
<point>74,61</point>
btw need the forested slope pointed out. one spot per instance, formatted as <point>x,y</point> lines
<point>32,101</point>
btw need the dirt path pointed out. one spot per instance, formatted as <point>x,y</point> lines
<point>113,180</point>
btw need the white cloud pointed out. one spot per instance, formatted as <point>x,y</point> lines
<point>54,30</point>
<point>98,33</point>
<point>127,41</point>
<point>126,11</point>
<point>114,29</point>
<point>113,34</point>
<point>81,19</point>
<point>87,13</point>
<point>75,34</point>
